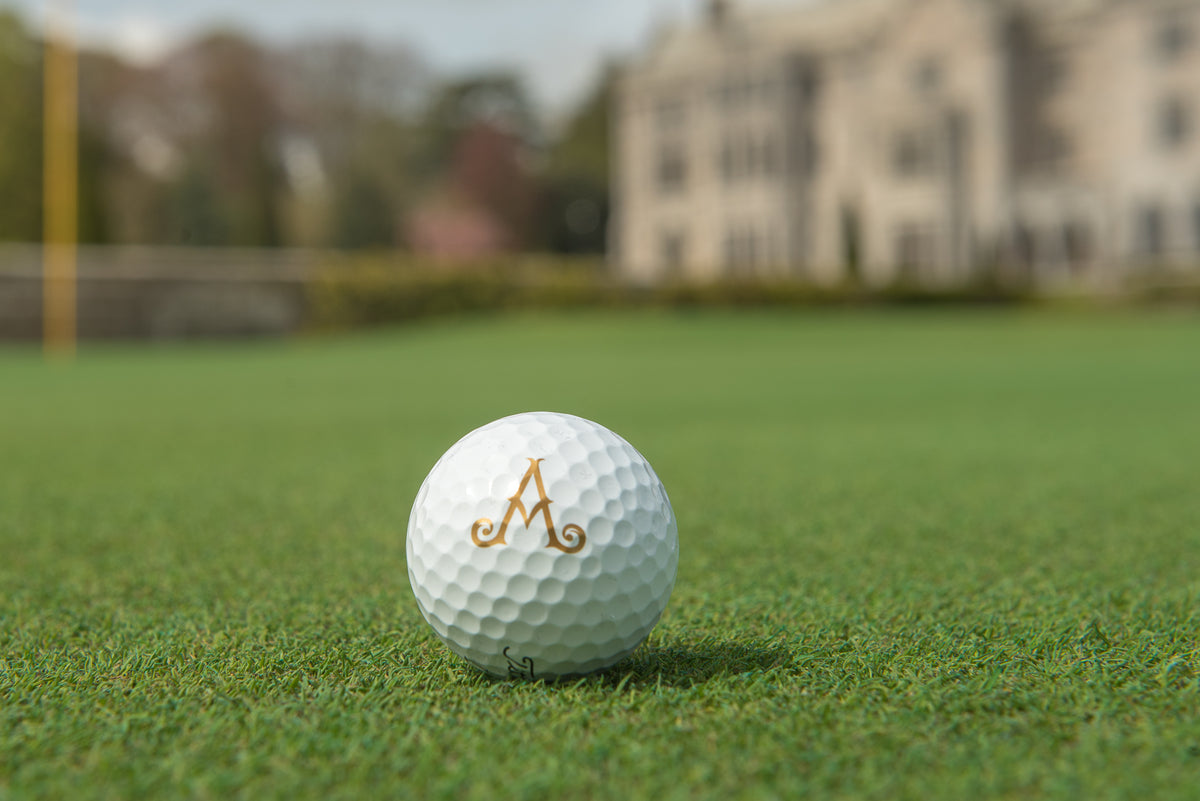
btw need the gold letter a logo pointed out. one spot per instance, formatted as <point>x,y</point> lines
<point>573,535</point>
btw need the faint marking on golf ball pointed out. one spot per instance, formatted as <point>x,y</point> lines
<point>542,545</point>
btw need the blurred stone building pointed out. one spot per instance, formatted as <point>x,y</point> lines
<point>931,141</point>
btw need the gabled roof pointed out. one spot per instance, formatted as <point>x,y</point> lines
<point>819,27</point>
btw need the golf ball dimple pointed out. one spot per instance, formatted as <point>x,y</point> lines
<point>542,545</point>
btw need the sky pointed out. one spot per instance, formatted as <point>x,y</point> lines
<point>556,45</point>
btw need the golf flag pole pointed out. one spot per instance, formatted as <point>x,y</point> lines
<point>60,182</point>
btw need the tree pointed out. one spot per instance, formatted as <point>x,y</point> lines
<point>582,149</point>
<point>95,156</point>
<point>353,105</point>
<point>212,111</point>
<point>243,133</point>
<point>576,199</point>
<point>488,171</point>
<point>21,144</point>
<point>20,132</point>
<point>497,101</point>
<point>477,139</point>
<point>335,90</point>
<point>363,215</point>
<point>194,210</point>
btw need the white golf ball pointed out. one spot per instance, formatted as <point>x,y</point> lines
<point>542,545</point>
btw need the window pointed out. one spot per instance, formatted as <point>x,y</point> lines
<point>1151,231</point>
<point>913,154</point>
<point>770,157</point>
<point>673,246</point>
<point>767,89</point>
<point>752,248</point>
<point>808,155</point>
<point>1023,244</point>
<point>726,159</point>
<point>716,93</point>
<point>1049,149</point>
<point>1174,123</point>
<point>671,113</point>
<point>742,250</point>
<point>1057,146</point>
<point>750,155</point>
<point>773,255</point>
<point>747,156</point>
<point>1077,241</point>
<point>927,76</point>
<point>1196,224</point>
<point>1052,73</point>
<point>731,92</point>
<point>737,90</point>
<point>809,83</point>
<point>1172,37</point>
<point>914,249</point>
<point>672,169</point>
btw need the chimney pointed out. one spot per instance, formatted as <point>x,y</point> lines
<point>718,12</point>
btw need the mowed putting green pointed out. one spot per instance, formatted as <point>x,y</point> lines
<point>924,555</point>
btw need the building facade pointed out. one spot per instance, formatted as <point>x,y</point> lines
<point>923,141</point>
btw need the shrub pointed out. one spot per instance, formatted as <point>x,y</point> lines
<point>352,291</point>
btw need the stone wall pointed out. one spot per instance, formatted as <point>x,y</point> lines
<point>163,293</point>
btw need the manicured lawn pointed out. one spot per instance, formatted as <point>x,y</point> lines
<point>924,555</point>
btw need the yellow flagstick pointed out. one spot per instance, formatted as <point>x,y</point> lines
<point>60,183</point>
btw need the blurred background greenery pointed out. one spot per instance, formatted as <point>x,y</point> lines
<point>328,142</point>
<point>244,180</point>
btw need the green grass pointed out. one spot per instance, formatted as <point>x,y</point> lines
<point>924,556</point>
